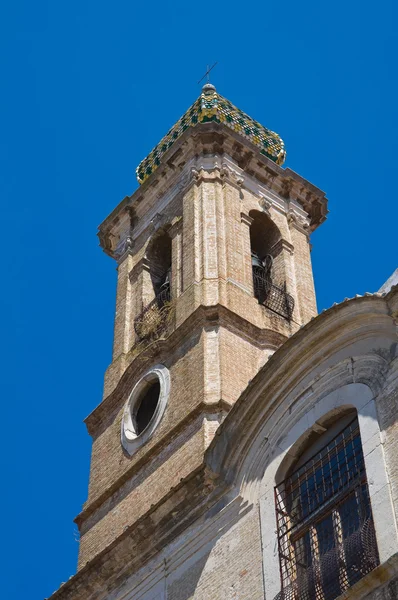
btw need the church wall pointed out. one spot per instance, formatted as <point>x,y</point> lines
<point>387,408</point>
<point>218,558</point>
<point>230,569</point>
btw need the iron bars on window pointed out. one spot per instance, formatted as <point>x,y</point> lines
<point>326,537</point>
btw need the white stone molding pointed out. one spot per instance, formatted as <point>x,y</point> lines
<point>284,451</point>
<point>129,438</point>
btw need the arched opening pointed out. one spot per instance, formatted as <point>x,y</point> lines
<point>159,256</point>
<point>156,290</point>
<point>264,234</point>
<point>326,536</point>
<point>267,265</point>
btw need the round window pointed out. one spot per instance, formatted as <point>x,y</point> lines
<point>145,407</point>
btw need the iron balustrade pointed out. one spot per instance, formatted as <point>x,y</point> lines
<point>155,317</point>
<point>270,295</point>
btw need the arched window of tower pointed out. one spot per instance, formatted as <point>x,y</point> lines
<point>268,266</point>
<point>156,290</point>
<point>159,256</point>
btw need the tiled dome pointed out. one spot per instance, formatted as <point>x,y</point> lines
<point>211,106</point>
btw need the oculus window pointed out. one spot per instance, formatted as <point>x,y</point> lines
<point>145,408</point>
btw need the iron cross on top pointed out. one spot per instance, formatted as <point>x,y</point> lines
<point>207,73</point>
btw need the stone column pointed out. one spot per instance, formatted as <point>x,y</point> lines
<point>283,271</point>
<point>303,269</point>
<point>122,333</point>
<point>247,275</point>
<point>175,233</point>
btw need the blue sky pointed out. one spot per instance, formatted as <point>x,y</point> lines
<point>88,88</point>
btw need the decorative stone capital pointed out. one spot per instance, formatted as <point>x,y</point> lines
<point>142,265</point>
<point>298,221</point>
<point>124,247</point>
<point>175,227</point>
<point>280,246</point>
<point>226,171</point>
<point>265,203</point>
<point>195,174</point>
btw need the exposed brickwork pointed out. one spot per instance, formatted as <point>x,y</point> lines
<point>145,488</point>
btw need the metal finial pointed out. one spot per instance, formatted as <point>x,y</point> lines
<point>207,74</point>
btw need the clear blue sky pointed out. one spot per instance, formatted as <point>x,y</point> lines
<point>88,88</point>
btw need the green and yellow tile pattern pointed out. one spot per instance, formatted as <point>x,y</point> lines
<point>210,106</point>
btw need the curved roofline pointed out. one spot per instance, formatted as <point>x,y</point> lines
<point>368,316</point>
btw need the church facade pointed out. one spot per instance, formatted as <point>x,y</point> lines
<point>245,447</point>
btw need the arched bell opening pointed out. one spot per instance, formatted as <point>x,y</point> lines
<point>268,268</point>
<point>159,257</point>
<point>155,317</point>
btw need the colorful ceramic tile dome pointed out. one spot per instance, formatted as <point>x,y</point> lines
<point>211,106</point>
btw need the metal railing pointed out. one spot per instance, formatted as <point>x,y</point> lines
<point>155,317</point>
<point>270,295</point>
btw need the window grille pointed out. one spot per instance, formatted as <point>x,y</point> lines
<point>326,537</point>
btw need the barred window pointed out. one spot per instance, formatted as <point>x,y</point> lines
<point>326,537</point>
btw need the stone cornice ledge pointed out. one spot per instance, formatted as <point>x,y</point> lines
<point>372,581</point>
<point>199,318</point>
<point>200,411</point>
<point>145,538</point>
<point>292,185</point>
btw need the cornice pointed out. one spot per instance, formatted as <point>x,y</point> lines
<point>146,537</point>
<point>196,415</point>
<point>194,322</point>
<point>237,160</point>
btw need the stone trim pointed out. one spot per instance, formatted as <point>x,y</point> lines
<point>130,440</point>
<point>246,219</point>
<point>266,179</point>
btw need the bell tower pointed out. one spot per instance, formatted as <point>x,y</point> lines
<point>214,274</point>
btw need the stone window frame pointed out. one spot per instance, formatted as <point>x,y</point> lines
<point>353,395</point>
<point>130,440</point>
